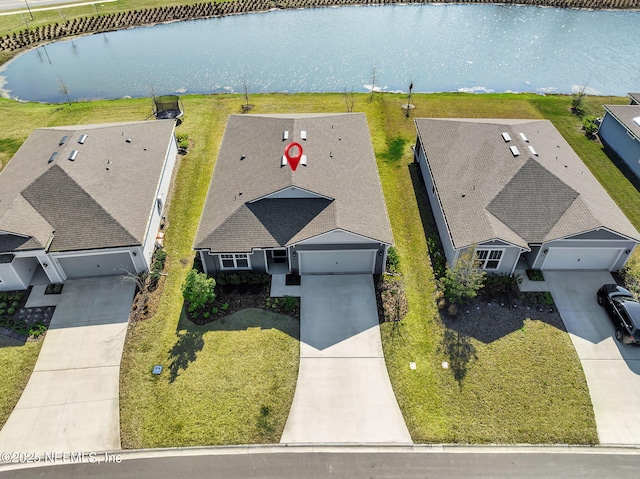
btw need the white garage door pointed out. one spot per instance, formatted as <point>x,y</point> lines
<point>581,258</point>
<point>96,265</point>
<point>328,262</point>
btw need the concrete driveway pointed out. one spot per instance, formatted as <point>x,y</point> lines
<point>71,402</point>
<point>612,369</point>
<point>343,394</point>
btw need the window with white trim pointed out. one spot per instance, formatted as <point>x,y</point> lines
<point>489,259</point>
<point>235,261</point>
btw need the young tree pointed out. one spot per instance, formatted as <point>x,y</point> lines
<point>464,279</point>
<point>349,100</point>
<point>578,100</point>
<point>245,88</point>
<point>374,77</point>
<point>64,89</point>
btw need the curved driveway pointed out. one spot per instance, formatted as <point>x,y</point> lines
<point>71,402</point>
<point>343,394</point>
<point>612,369</point>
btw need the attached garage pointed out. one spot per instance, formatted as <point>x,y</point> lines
<point>96,264</point>
<point>337,262</point>
<point>582,258</point>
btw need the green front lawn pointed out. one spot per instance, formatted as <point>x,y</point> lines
<point>235,379</point>
<point>18,360</point>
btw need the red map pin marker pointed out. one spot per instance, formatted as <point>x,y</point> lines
<point>293,160</point>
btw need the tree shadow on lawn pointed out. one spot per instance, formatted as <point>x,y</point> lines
<point>191,341</point>
<point>460,351</point>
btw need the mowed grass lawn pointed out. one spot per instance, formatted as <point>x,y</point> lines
<point>233,381</point>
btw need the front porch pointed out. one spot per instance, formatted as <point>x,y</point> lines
<point>528,286</point>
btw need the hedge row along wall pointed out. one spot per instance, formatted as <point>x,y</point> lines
<point>150,16</point>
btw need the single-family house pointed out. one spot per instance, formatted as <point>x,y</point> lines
<point>515,190</point>
<point>620,131</point>
<point>295,193</point>
<point>81,201</point>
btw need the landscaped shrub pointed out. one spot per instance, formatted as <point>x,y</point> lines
<point>393,260</point>
<point>464,279</point>
<point>183,140</point>
<point>159,258</point>
<point>590,126</point>
<point>631,273</point>
<point>197,290</point>
<point>393,297</point>
<point>288,304</point>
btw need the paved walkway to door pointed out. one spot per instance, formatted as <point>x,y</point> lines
<point>343,394</point>
<point>612,369</point>
<point>71,402</point>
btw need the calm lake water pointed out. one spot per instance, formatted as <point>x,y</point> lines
<point>478,48</point>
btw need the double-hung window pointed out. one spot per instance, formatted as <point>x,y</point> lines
<point>235,261</point>
<point>489,259</point>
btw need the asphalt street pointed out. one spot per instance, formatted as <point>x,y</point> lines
<point>587,463</point>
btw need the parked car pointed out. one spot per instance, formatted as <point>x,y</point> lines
<point>624,311</point>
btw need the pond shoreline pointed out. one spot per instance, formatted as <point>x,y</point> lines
<point>12,44</point>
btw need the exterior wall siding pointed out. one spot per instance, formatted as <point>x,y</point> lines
<point>447,244</point>
<point>213,266</point>
<point>162,193</point>
<point>615,135</point>
<point>17,274</point>
<point>510,257</point>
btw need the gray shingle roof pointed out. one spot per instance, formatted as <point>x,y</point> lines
<point>104,198</point>
<point>625,115</point>
<point>486,192</point>
<point>341,174</point>
<point>635,97</point>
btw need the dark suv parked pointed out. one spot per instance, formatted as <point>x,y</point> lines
<point>623,310</point>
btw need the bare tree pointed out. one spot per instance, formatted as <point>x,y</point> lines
<point>349,100</point>
<point>64,89</point>
<point>245,88</point>
<point>374,77</point>
<point>578,100</point>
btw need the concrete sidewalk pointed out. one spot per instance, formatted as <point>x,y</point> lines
<point>71,403</point>
<point>343,394</point>
<point>612,369</point>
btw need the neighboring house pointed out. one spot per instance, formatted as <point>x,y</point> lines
<point>634,98</point>
<point>81,201</point>
<point>328,216</point>
<point>620,131</point>
<point>514,189</point>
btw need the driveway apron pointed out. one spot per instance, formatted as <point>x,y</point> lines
<point>612,369</point>
<point>343,394</point>
<point>71,402</point>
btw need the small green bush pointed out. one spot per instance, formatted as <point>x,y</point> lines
<point>2,311</point>
<point>11,311</point>
<point>159,259</point>
<point>183,140</point>
<point>197,290</point>
<point>393,260</point>
<point>590,126</point>
<point>224,306</point>
<point>288,304</point>
<point>464,279</point>
<point>3,305</point>
<point>37,330</point>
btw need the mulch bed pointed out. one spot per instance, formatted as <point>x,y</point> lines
<point>489,319</point>
<point>18,324</point>
<point>237,298</point>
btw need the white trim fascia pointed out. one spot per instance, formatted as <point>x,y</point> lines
<point>506,243</point>
<point>291,187</point>
<point>340,230</point>
<point>570,238</point>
